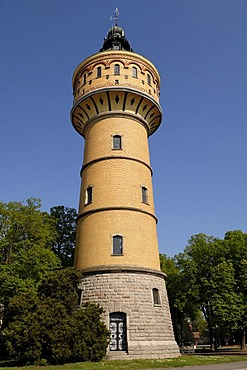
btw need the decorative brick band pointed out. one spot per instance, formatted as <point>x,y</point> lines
<point>105,209</point>
<point>87,107</point>
<point>113,269</point>
<point>115,157</point>
<point>107,58</point>
<point>110,88</point>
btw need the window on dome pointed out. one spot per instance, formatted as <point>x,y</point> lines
<point>98,72</point>
<point>149,79</point>
<point>134,72</point>
<point>117,69</point>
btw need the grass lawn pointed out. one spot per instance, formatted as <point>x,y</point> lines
<point>182,361</point>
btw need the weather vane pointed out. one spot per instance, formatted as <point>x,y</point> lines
<point>116,16</point>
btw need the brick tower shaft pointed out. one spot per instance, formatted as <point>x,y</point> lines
<point>116,108</point>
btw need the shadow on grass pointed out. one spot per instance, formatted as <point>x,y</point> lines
<point>8,363</point>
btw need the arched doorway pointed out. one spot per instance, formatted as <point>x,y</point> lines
<point>118,331</point>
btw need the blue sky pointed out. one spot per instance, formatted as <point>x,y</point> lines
<point>199,153</point>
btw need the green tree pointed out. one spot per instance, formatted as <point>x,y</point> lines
<point>26,238</point>
<point>64,245</point>
<point>235,243</point>
<point>183,310</point>
<point>48,327</point>
<point>210,274</point>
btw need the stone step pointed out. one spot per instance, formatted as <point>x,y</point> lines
<point>118,355</point>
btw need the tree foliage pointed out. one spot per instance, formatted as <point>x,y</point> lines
<point>65,219</point>
<point>26,238</point>
<point>183,311</point>
<point>211,276</point>
<point>42,322</point>
<point>48,327</point>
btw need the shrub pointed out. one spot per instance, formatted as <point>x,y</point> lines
<point>49,328</point>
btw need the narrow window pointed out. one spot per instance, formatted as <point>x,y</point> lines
<point>134,72</point>
<point>149,79</point>
<point>156,296</point>
<point>84,78</point>
<point>117,69</point>
<point>117,245</point>
<point>89,195</point>
<point>98,72</point>
<point>144,195</point>
<point>79,294</point>
<point>117,142</point>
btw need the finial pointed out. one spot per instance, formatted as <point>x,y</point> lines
<point>116,16</point>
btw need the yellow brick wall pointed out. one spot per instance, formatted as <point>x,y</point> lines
<point>116,182</point>
<point>94,240</point>
<point>98,139</point>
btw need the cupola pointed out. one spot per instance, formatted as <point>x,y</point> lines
<point>116,39</point>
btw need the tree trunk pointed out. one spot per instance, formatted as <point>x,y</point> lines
<point>215,340</point>
<point>211,337</point>
<point>243,340</point>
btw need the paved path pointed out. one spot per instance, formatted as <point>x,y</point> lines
<point>228,366</point>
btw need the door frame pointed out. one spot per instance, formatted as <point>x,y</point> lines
<point>118,318</point>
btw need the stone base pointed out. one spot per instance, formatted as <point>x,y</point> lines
<point>149,332</point>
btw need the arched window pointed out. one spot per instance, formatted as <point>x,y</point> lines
<point>117,142</point>
<point>116,69</point>
<point>149,79</point>
<point>144,195</point>
<point>89,195</point>
<point>134,72</point>
<point>156,296</point>
<point>98,72</point>
<point>117,247</point>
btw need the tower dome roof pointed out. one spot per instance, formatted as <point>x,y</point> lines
<point>116,40</point>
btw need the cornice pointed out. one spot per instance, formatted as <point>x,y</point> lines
<point>97,103</point>
<point>115,269</point>
<point>107,209</point>
<point>86,165</point>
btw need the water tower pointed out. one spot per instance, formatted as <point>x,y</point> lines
<point>116,108</point>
